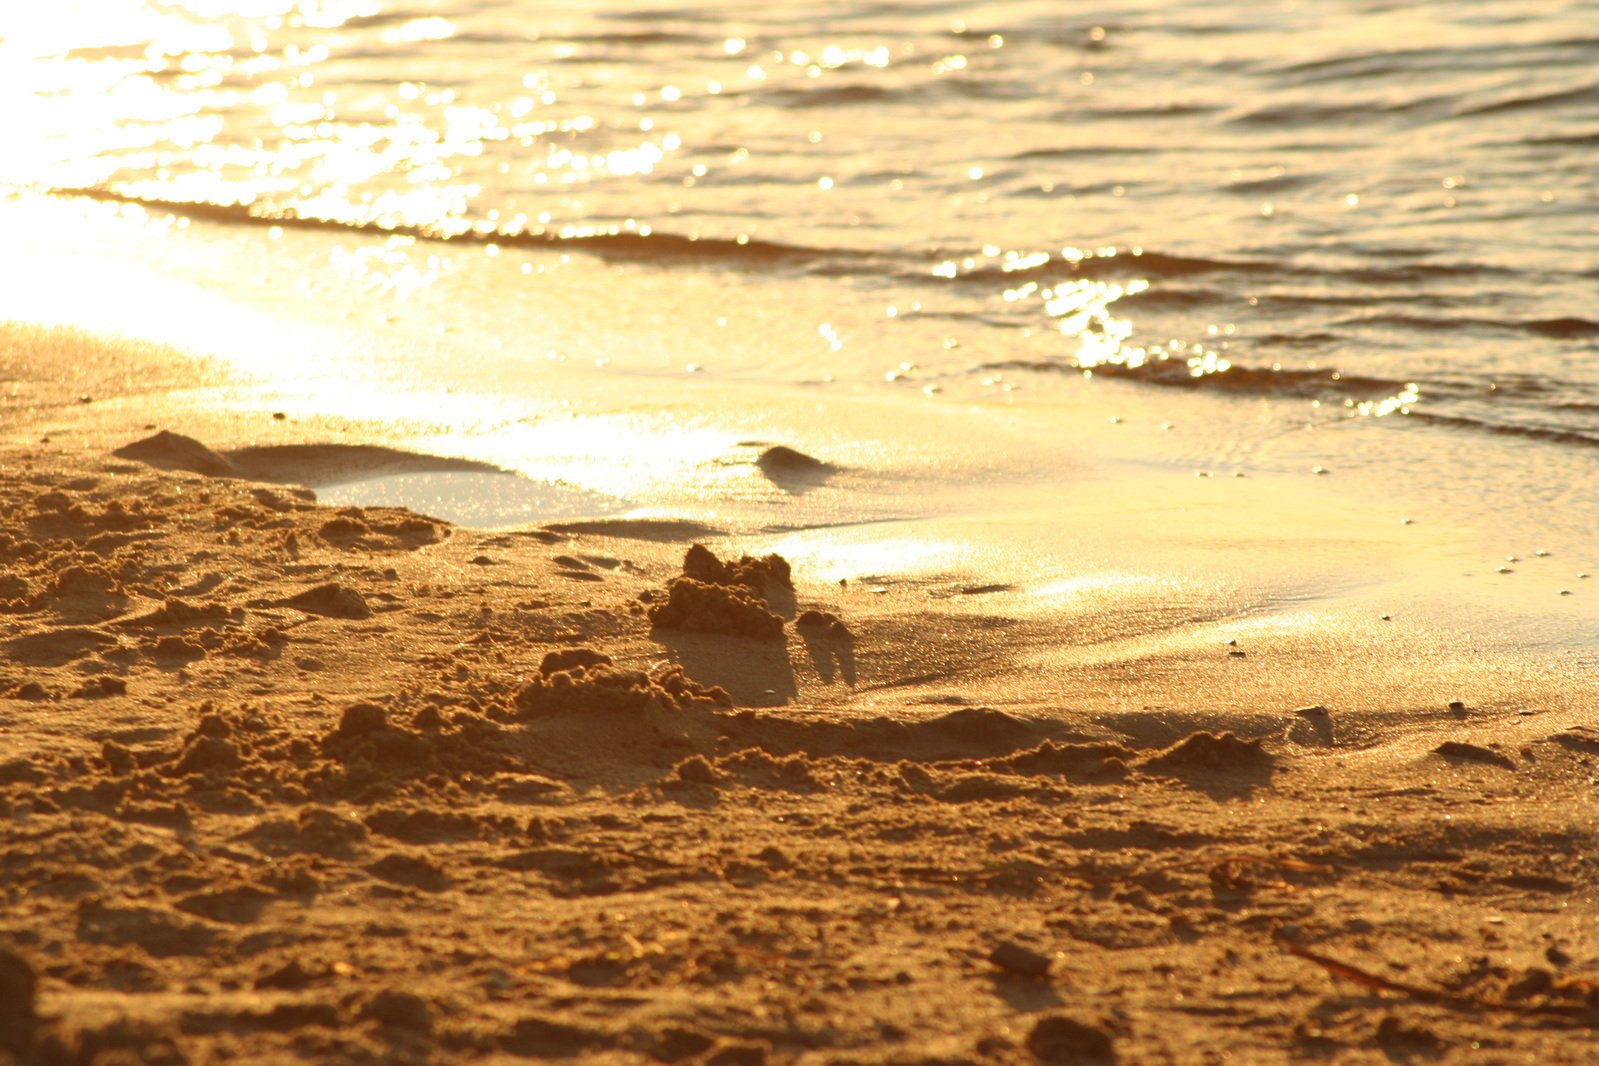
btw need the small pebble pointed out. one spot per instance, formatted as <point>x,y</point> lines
<point>1009,955</point>
<point>1318,470</point>
<point>1563,592</point>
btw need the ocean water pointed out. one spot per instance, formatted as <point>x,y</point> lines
<point>1354,239</point>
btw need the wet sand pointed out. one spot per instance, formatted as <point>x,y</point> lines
<point>285,781</point>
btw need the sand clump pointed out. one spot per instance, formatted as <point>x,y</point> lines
<point>583,681</point>
<point>696,607</point>
<point>728,598</point>
<point>760,575</point>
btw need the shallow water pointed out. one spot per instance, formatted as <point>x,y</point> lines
<point>1350,238</point>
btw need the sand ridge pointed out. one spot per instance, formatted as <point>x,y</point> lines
<point>287,782</point>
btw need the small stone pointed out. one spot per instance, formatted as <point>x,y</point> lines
<point>360,718</point>
<point>291,975</point>
<point>677,1042</point>
<point>399,1010</point>
<point>1409,1040</point>
<point>738,1053</point>
<point>1017,958</point>
<point>1061,1039</point>
<point>696,770</point>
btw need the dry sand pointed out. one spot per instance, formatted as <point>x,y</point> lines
<point>283,782</point>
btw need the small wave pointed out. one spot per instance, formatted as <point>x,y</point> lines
<point>1548,434</point>
<point>1413,272</point>
<point>1361,66</point>
<point>1136,114</point>
<point>1276,184</point>
<point>1086,150</point>
<point>1557,328</point>
<point>1562,327</point>
<point>1575,140</point>
<point>1133,263</point>
<point>606,244</point>
<point>633,38</point>
<point>1585,94</point>
<point>1324,115</point>
<point>831,96</point>
<point>1237,378</point>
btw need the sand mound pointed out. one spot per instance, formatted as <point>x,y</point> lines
<point>178,613</point>
<point>697,607</point>
<point>572,658</point>
<point>1095,761</point>
<point>578,683</point>
<point>1221,765</point>
<point>758,575</point>
<point>1210,751</point>
<point>312,464</point>
<point>656,529</point>
<point>332,599</point>
<point>173,451</point>
<point>781,457</point>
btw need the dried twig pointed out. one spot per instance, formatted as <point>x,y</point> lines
<point>1443,997</point>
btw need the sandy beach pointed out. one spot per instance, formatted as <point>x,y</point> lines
<point>736,535</point>
<point>289,781</point>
